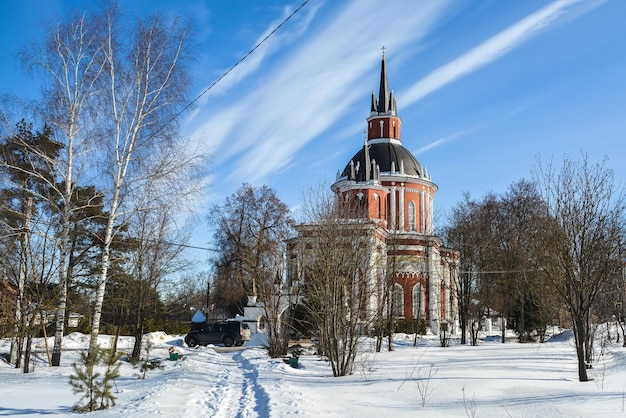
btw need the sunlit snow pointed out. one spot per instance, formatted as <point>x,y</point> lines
<point>488,380</point>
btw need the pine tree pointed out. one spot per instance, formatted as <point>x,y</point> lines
<point>95,387</point>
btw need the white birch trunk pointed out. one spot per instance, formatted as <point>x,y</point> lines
<point>108,237</point>
<point>18,326</point>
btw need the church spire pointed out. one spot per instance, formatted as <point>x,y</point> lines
<point>386,102</point>
<point>383,92</point>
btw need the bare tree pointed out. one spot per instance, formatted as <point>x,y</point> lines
<point>25,162</point>
<point>69,61</point>
<point>121,83</point>
<point>337,260</point>
<point>498,273</point>
<point>112,87</point>
<point>252,228</point>
<point>579,247</point>
<point>521,288</point>
<point>144,82</point>
<point>463,232</point>
<point>386,313</point>
<point>154,258</point>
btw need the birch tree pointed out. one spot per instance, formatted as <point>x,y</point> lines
<point>69,62</point>
<point>113,88</point>
<point>144,83</point>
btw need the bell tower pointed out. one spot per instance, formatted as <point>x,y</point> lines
<point>384,124</point>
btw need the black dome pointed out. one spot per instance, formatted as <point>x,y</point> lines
<point>384,154</point>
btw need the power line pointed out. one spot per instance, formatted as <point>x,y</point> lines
<point>499,271</point>
<point>205,91</point>
<point>261,42</point>
<point>190,246</point>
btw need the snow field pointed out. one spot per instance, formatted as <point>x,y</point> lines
<point>489,380</point>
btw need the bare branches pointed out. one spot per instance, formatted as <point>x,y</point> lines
<point>579,248</point>
<point>252,228</point>
<point>337,262</point>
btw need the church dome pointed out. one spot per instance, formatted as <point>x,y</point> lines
<point>390,157</point>
<point>382,153</point>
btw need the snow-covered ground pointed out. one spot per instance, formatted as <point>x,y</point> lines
<point>489,380</point>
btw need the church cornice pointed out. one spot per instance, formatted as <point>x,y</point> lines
<point>384,141</point>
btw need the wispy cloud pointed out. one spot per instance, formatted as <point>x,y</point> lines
<point>488,51</point>
<point>265,50</point>
<point>447,138</point>
<point>305,95</point>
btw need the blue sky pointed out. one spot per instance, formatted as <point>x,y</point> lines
<point>483,87</point>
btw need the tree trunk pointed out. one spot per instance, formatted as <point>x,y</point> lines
<point>27,351</point>
<point>463,321</point>
<point>108,237</point>
<point>97,310</point>
<point>580,334</point>
<point>136,354</point>
<point>60,318</point>
<point>63,279</point>
<point>138,323</point>
<point>17,339</point>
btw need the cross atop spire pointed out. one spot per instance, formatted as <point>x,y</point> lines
<point>383,49</point>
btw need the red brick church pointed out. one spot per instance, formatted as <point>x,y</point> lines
<point>395,194</point>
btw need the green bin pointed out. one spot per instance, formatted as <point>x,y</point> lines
<point>293,362</point>
<point>173,356</point>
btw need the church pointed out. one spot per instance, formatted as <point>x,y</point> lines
<point>395,193</point>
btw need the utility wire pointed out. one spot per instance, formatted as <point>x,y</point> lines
<point>261,42</point>
<point>499,271</point>
<point>175,244</point>
<point>205,91</point>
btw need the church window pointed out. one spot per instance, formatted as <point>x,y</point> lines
<point>397,300</point>
<point>419,301</point>
<point>378,204</point>
<point>382,124</point>
<point>411,216</point>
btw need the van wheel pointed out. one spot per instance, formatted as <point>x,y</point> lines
<point>228,341</point>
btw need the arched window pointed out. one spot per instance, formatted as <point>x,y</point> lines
<point>411,216</point>
<point>376,198</point>
<point>419,301</point>
<point>397,298</point>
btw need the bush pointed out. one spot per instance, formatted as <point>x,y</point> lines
<point>301,322</point>
<point>411,326</point>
